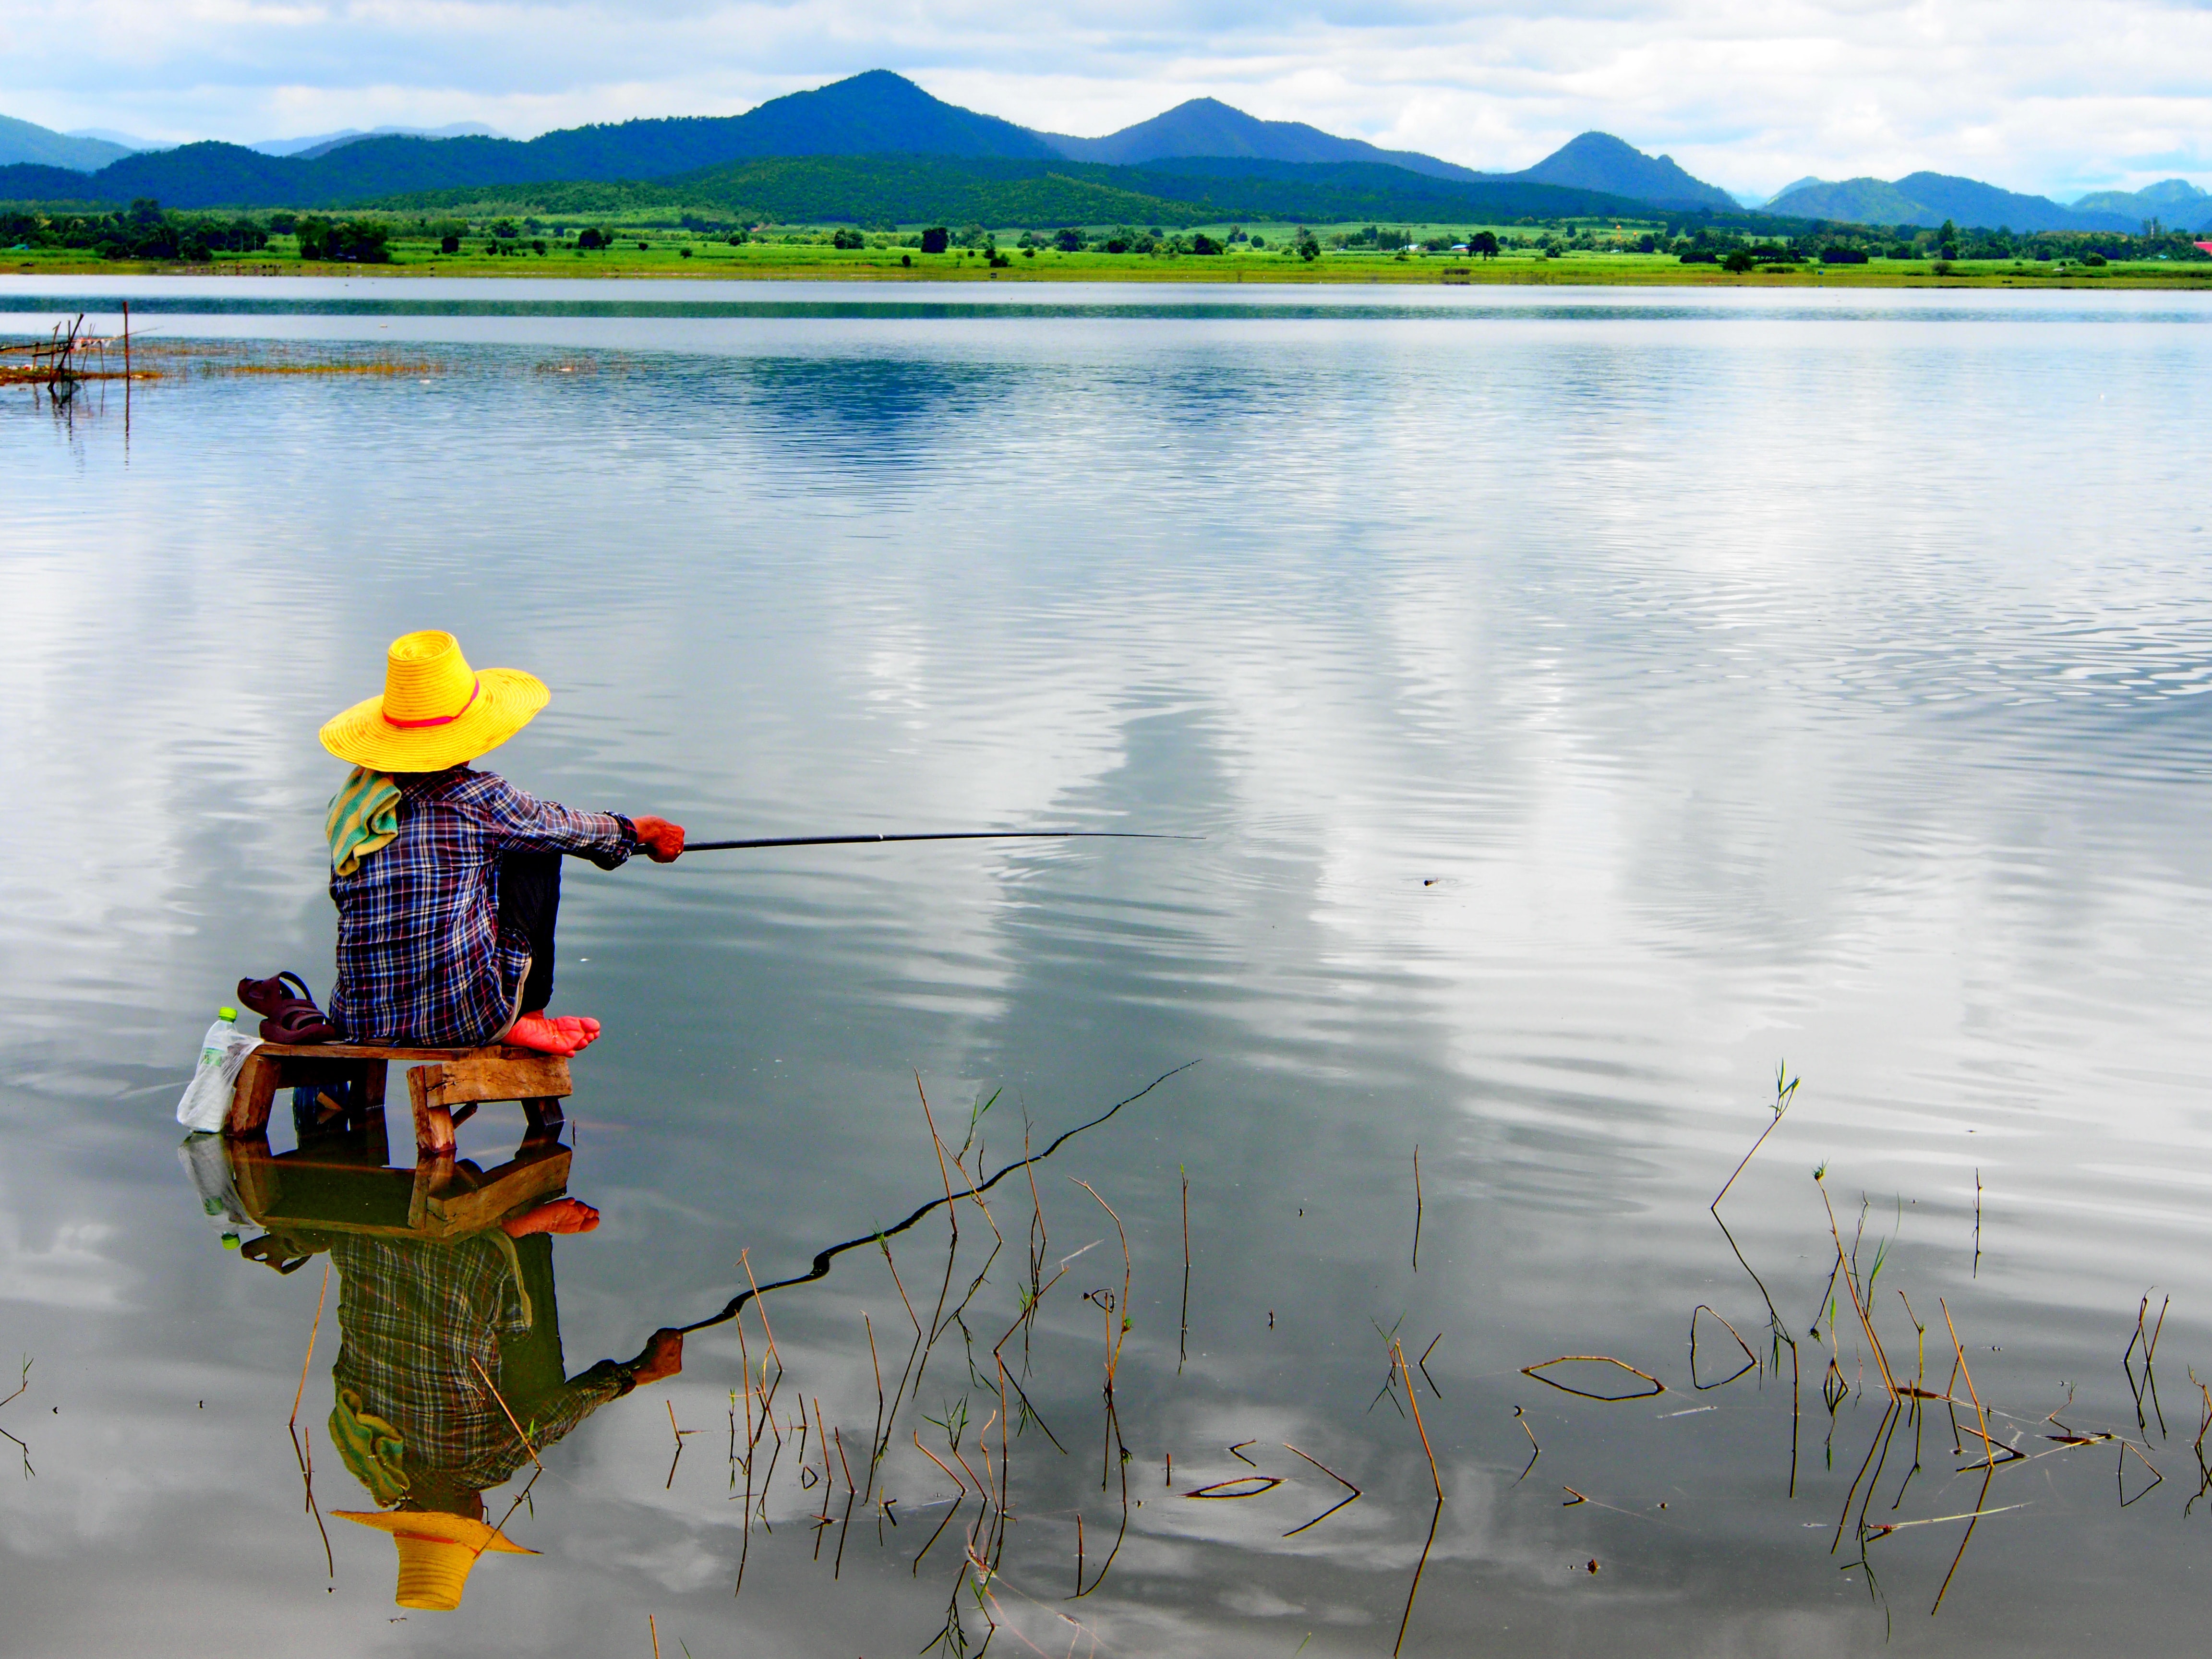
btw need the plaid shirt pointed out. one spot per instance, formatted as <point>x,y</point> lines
<point>415,1321</point>
<point>420,956</point>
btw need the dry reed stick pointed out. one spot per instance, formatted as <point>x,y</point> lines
<point>1850,1283</point>
<point>1417,1207</point>
<point>1333,1475</point>
<point>1182,1340</point>
<point>759,1305</point>
<point>496,1395</point>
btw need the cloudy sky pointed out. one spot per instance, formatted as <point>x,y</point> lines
<point>1750,93</point>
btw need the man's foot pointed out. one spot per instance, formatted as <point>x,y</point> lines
<point>562,1215</point>
<point>564,1036</point>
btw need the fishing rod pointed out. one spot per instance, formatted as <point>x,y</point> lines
<point>820,1268</point>
<point>954,835</point>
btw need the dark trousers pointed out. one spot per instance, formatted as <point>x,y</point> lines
<point>530,1363</point>
<point>529,905</point>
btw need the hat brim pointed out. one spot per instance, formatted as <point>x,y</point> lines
<point>437,1527</point>
<point>507,701</point>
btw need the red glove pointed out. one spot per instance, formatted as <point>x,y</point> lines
<point>663,1358</point>
<point>663,842</point>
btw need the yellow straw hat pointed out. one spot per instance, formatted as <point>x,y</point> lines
<point>436,1550</point>
<point>436,711</point>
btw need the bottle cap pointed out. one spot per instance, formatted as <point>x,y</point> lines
<point>226,1013</point>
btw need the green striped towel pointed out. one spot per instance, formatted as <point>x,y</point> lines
<point>364,817</point>
<point>371,1449</point>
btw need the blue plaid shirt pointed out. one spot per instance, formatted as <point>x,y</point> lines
<point>420,957</point>
<point>416,1320</point>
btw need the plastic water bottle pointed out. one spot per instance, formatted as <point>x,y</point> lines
<point>222,1052</point>
<point>220,1037</point>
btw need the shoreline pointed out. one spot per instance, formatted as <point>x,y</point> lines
<point>1604,271</point>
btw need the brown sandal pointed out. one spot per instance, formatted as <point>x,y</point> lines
<point>290,1019</point>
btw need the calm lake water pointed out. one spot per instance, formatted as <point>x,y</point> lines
<point>1589,701</point>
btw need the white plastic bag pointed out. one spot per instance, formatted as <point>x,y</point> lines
<point>206,1100</point>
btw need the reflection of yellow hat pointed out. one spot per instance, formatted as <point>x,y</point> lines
<point>436,711</point>
<point>436,1550</point>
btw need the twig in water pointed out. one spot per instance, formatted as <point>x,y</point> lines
<point>1990,1472</point>
<point>744,1261</point>
<point>1535,1451</point>
<point>496,1395</point>
<point>1333,1475</point>
<point>1884,1528</point>
<point>1419,1567</point>
<point>1782,1093</point>
<point>1419,1427</point>
<point>1537,1371</point>
<point>306,1359</point>
<point>302,1454</point>
<point>1182,1340</point>
<point>1851,1283</point>
<point>1423,1363</point>
<point>679,1434</point>
<point>2148,1381</point>
<point>1978,1226</point>
<point>24,1383</point>
<point>1417,1207</point>
<point>1243,1485</point>
<point>2120,1475</point>
<point>1750,1360</point>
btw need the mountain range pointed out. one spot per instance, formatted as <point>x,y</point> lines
<point>874,114</point>
<point>322,143</point>
<point>881,115</point>
<point>1929,198</point>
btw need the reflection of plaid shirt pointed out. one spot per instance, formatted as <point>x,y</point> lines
<point>420,957</point>
<point>413,1316</point>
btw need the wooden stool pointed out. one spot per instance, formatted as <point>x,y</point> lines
<point>448,1077</point>
<point>435,1201</point>
<point>335,1192</point>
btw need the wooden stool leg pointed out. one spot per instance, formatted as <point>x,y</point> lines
<point>372,1112</point>
<point>251,1098</point>
<point>544,1117</point>
<point>434,1125</point>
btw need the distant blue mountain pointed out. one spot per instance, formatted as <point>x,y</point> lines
<point>1206,126</point>
<point>2173,201</point>
<point>27,142</point>
<point>322,143</point>
<point>1931,199</point>
<point>1598,160</point>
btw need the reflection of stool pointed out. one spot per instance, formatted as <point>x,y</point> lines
<point>451,1077</point>
<point>323,1192</point>
<point>352,1191</point>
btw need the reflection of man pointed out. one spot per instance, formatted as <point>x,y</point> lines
<point>446,1349</point>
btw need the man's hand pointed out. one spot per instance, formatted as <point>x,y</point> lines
<point>662,1356</point>
<point>663,842</point>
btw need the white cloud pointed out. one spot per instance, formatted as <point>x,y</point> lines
<point>2042,97</point>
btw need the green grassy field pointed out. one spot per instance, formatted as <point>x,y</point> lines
<point>657,250</point>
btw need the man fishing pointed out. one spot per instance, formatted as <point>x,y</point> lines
<point>447,880</point>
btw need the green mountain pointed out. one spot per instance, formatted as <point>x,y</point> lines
<point>1206,126</point>
<point>1003,190</point>
<point>1598,160</point>
<point>2174,201</point>
<point>20,142</point>
<point>1929,198</point>
<point>873,114</point>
